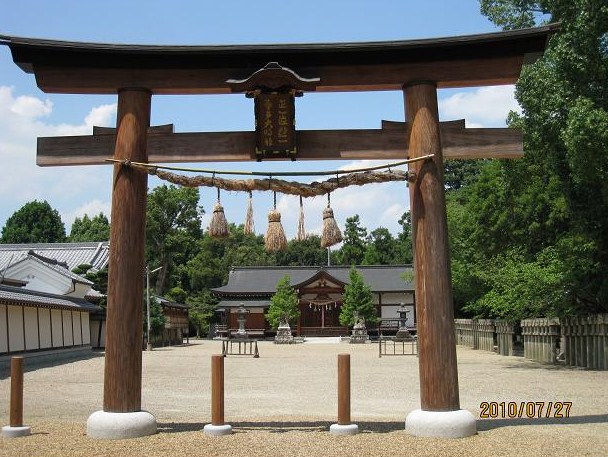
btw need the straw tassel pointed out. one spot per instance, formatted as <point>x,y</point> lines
<point>331,231</point>
<point>249,228</point>
<point>275,239</point>
<point>301,231</point>
<point>218,228</point>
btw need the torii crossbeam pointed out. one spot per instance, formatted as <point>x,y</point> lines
<point>387,143</point>
<point>416,67</point>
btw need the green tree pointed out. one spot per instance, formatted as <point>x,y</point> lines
<point>96,228</point>
<point>521,289</point>
<point>283,304</point>
<point>173,225</point>
<point>177,295</point>
<point>514,14</point>
<point>34,222</point>
<point>353,247</point>
<point>358,297</point>
<point>381,248</point>
<point>157,317</point>
<point>307,252</point>
<point>404,249</point>
<point>557,196</point>
<point>459,173</point>
<point>99,278</point>
<point>202,311</point>
<point>214,257</point>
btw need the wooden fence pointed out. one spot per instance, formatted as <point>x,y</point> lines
<point>505,334</point>
<point>465,333</point>
<point>475,333</point>
<point>541,339</point>
<point>574,341</point>
<point>586,341</point>
<point>483,333</point>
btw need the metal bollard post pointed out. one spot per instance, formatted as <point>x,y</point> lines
<point>344,426</point>
<point>217,426</point>
<point>16,427</point>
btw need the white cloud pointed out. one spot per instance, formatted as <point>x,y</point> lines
<point>103,115</point>
<point>91,208</point>
<point>359,164</point>
<point>23,119</point>
<point>485,106</point>
<point>30,107</point>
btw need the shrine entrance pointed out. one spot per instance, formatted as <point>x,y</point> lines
<point>417,68</point>
<point>320,302</point>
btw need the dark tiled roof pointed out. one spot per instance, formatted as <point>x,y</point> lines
<point>248,303</point>
<point>95,254</point>
<point>171,304</point>
<point>17,296</point>
<point>263,280</point>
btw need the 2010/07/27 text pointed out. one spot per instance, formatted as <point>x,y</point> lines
<point>529,409</point>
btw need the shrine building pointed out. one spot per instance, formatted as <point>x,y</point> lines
<point>320,291</point>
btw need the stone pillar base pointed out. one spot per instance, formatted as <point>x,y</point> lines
<point>15,432</point>
<point>348,429</point>
<point>217,430</point>
<point>441,424</point>
<point>118,426</point>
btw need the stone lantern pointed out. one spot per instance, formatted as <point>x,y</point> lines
<point>403,334</point>
<point>359,332</point>
<point>241,313</point>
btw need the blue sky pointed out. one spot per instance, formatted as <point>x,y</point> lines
<point>26,112</point>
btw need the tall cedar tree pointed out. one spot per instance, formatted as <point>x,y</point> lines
<point>357,297</point>
<point>283,304</point>
<point>353,247</point>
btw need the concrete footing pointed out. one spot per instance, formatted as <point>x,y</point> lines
<point>217,430</point>
<point>16,432</point>
<point>117,426</point>
<point>441,424</point>
<point>348,429</point>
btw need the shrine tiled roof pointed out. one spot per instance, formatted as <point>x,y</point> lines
<point>260,281</point>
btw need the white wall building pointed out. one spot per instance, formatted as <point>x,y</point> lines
<point>43,308</point>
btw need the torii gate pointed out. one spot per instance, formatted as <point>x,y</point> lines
<point>417,67</point>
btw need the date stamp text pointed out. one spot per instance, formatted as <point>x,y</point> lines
<point>529,409</point>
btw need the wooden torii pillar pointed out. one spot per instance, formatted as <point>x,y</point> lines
<point>122,416</point>
<point>440,411</point>
<point>136,72</point>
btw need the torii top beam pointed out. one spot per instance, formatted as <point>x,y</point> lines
<point>463,61</point>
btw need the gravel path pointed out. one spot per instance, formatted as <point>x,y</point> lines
<point>283,403</point>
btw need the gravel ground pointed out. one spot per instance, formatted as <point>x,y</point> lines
<point>284,402</point>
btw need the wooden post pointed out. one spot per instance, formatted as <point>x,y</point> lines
<point>16,428</point>
<point>344,426</point>
<point>217,390</point>
<point>343,389</point>
<point>16,412</point>
<point>124,332</point>
<point>434,303</point>
<point>217,426</point>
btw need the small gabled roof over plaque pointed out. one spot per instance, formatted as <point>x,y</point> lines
<point>273,77</point>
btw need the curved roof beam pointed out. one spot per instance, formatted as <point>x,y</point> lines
<point>462,61</point>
